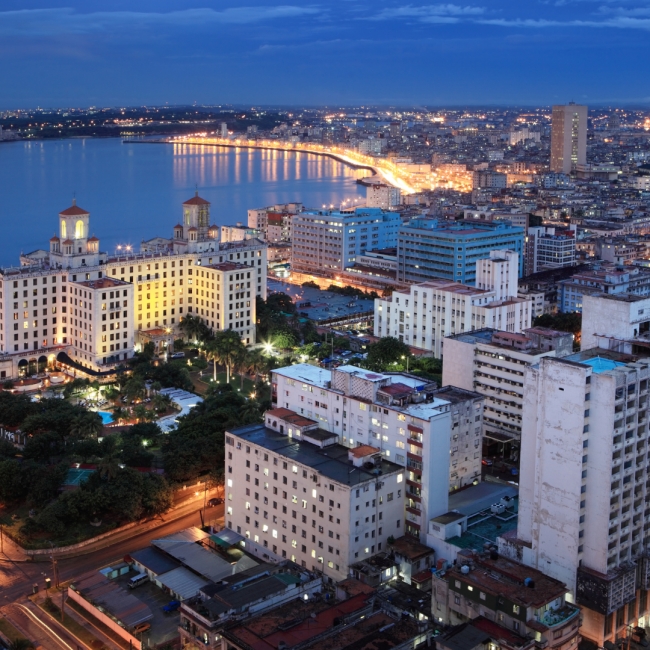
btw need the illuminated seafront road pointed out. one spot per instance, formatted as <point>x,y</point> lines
<point>383,168</point>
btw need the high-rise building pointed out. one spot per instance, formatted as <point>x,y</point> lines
<point>492,363</point>
<point>224,130</point>
<point>83,307</point>
<point>583,485</point>
<point>331,240</point>
<point>429,248</point>
<point>568,137</point>
<point>550,248</point>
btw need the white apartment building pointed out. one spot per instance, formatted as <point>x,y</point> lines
<point>434,434</point>
<point>583,489</point>
<point>380,195</point>
<point>331,240</point>
<point>435,309</point>
<point>39,319</point>
<point>614,320</point>
<point>550,248</point>
<point>568,137</point>
<point>295,493</point>
<point>493,364</point>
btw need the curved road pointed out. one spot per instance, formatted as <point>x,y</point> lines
<point>17,578</point>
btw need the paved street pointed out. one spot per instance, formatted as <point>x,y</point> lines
<point>17,578</point>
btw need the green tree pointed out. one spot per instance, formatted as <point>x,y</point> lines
<point>386,352</point>
<point>228,348</point>
<point>134,389</point>
<point>109,467</point>
<point>86,425</point>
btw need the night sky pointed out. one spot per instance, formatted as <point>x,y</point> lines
<point>337,52</point>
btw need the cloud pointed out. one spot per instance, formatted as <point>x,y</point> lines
<point>441,13</point>
<point>51,22</point>
<point>618,22</point>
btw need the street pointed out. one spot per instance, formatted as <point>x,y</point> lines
<point>17,578</point>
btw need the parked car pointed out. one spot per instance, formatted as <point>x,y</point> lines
<point>141,627</point>
<point>171,606</point>
<point>487,462</point>
<point>177,355</point>
<point>217,501</point>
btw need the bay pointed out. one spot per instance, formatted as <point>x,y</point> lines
<point>134,191</point>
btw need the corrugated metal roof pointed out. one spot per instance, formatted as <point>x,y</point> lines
<point>182,582</point>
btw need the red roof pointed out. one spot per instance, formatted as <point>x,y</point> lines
<point>178,225</point>
<point>74,210</point>
<point>364,450</point>
<point>192,229</point>
<point>68,242</point>
<point>196,200</point>
<point>55,238</point>
<point>93,238</point>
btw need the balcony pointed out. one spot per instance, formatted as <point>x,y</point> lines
<point>556,617</point>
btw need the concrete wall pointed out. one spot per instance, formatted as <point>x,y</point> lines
<point>106,620</point>
<point>551,466</point>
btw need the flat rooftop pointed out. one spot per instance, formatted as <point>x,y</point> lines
<point>331,461</point>
<point>504,577</point>
<point>104,283</point>
<point>601,360</point>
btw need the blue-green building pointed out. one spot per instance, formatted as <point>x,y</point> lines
<point>432,248</point>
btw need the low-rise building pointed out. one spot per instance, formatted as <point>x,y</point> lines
<point>513,595</point>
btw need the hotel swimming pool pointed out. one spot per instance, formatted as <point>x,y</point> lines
<point>107,417</point>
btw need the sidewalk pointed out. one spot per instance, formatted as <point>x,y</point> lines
<point>15,553</point>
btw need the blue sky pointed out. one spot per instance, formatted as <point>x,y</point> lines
<point>335,52</point>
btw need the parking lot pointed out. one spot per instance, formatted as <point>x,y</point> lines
<point>163,626</point>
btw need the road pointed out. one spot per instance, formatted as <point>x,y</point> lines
<point>39,629</point>
<point>17,578</point>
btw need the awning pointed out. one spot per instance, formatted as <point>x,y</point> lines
<point>63,358</point>
<point>499,436</point>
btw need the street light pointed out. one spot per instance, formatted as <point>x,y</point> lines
<point>268,348</point>
<point>407,362</point>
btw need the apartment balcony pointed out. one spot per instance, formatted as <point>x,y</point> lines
<point>554,618</point>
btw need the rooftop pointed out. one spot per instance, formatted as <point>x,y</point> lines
<point>228,266</point>
<point>504,577</point>
<point>599,359</point>
<point>104,283</point>
<point>410,548</point>
<point>331,461</point>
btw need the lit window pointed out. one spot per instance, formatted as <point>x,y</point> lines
<point>400,478</point>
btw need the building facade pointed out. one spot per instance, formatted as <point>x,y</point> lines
<point>583,510</point>
<point>568,137</point>
<point>299,495</point>
<point>550,248</point>
<point>432,310</point>
<point>429,249</point>
<point>59,300</point>
<point>434,434</point>
<point>329,241</point>
<point>493,364</point>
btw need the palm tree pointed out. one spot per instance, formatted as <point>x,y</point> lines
<point>21,644</point>
<point>109,467</point>
<point>242,365</point>
<point>227,350</point>
<point>256,363</point>
<point>88,425</point>
<point>140,412</point>
<point>211,353</point>
<point>250,412</point>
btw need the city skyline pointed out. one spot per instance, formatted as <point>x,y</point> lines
<point>178,53</point>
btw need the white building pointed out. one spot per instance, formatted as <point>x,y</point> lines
<point>295,493</point>
<point>550,248</point>
<point>331,240</point>
<point>434,434</point>
<point>583,510</point>
<point>380,195</point>
<point>274,221</point>
<point>613,321</point>
<point>493,364</point>
<point>41,316</point>
<point>432,310</point>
